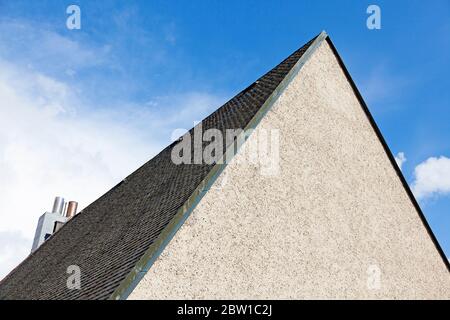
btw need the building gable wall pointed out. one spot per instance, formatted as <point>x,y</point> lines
<point>335,222</point>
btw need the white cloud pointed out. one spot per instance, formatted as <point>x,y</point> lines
<point>400,159</point>
<point>36,45</point>
<point>13,245</point>
<point>432,177</point>
<point>53,144</point>
<point>47,148</point>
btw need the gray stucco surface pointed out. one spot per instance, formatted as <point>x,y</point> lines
<point>335,217</point>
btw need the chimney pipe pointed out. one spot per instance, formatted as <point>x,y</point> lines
<point>50,222</point>
<point>58,205</point>
<point>71,209</point>
<point>64,209</point>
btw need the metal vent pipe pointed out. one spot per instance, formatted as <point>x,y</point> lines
<point>58,205</point>
<point>71,209</point>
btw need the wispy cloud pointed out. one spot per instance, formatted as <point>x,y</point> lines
<point>39,47</point>
<point>13,244</point>
<point>432,178</point>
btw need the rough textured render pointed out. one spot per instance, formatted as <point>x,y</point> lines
<point>336,214</point>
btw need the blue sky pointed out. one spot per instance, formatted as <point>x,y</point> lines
<point>137,70</point>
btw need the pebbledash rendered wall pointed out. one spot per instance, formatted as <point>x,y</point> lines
<point>335,223</point>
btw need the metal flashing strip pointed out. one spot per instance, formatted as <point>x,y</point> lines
<point>144,264</point>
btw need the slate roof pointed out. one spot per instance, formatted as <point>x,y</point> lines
<point>108,237</point>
